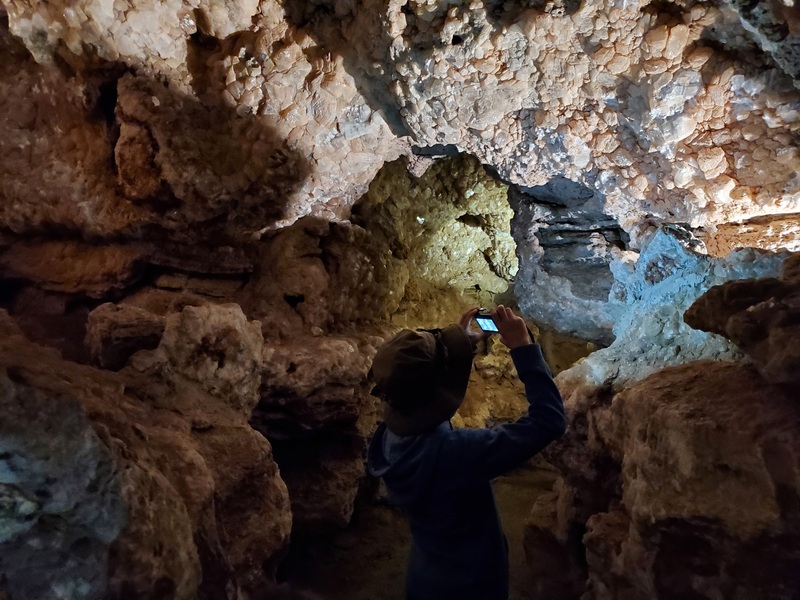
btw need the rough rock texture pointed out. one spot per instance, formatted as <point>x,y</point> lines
<point>683,112</point>
<point>114,332</point>
<point>760,316</point>
<point>186,159</point>
<point>651,476</point>
<point>237,120</point>
<point>566,245</point>
<point>450,227</point>
<point>776,27</point>
<point>140,484</point>
<point>630,100</point>
<point>646,305</point>
<point>316,409</point>
<point>74,268</point>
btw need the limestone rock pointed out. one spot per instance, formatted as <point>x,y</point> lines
<point>218,349</point>
<point>75,268</point>
<point>566,244</point>
<point>56,147</point>
<point>776,27</point>
<point>313,383</point>
<point>649,295</point>
<point>494,394</point>
<point>122,493</point>
<point>760,316</point>
<point>318,276</point>
<point>451,227</point>
<point>322,474</point>
<point>316,408</point>
<point>553,572</point>
<point>633,102</point>
<point>179,142</point>
<point>686,440</point>
<point>116,331</point>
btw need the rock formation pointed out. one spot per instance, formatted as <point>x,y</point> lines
<point>212,213</point>
<point>685,483</point>
<point>148,483</point>
<point>236,120</point>
<point>762,317</point>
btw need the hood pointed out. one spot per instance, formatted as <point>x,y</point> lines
<point>405,463</point>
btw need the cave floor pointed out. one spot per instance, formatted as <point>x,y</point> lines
<point>367,560</point>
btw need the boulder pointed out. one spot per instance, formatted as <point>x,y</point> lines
<point>134,484</point>
<point>685,485</point>
<point>761,316</point>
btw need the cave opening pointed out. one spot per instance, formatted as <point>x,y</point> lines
<point>448,228</point>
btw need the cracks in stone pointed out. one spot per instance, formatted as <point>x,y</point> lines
<point>200,47</point>
<point>294,300</point>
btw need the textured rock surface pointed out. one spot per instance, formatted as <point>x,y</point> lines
<point>74,268</point>
<point>316,408</point>
<point>186,158</point>
<point>760,316</point>
<point>631,100</point>
<point>114,332</point>
<point>651,291</point>
<point>138,483</point>
<point>566,245</point>
<point>634,101</point>
<point>451,229</point>
<point>650,474</point>
<point>659,113</point>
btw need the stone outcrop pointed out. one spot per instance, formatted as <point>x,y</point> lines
<point>146,483</point>
<point>316,409</point>
<point>566,245</point>
<point>683,485</point>
<point>234,121</point>
<point>74,267</point>
<point>196,163</point>
<point>651,291</point>
<point>449,230</point>
<point>114,332</point>
<point>760,316</point>
<point>634,102</point>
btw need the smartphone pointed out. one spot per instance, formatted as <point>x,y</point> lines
<point>485,321</point>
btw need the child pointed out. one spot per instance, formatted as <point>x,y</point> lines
<point>439,475</point>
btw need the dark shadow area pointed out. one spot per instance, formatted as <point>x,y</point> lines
<point>319,20</point>
<point>49,318</point>
<point>164,172</point>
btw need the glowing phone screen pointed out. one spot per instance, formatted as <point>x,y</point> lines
<point>486,323</point>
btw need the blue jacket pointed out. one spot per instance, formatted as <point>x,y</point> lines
<point>441,481</point>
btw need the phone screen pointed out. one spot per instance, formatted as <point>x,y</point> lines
<point>486,323</point>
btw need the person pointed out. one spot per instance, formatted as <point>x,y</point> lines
<point>440,476</point>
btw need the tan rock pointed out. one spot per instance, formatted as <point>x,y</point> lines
<point>760,316</point>
<point>712,161</point>
<point>133,484</point>
<point>75,267</point>
<point>553,551</point>
<point>114,332</point>
<point>686,440</point>
<point>218,349</point>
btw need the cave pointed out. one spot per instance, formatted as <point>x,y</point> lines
<point>213,215</point>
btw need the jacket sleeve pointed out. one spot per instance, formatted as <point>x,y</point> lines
<point>481,454</point>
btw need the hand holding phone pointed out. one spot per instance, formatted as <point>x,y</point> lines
<point>485,322</point>
<point>512,329</point>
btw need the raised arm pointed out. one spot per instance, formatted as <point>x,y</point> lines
<point>481,454</point>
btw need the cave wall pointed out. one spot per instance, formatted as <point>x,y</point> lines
<point>234,121</point>
<point>213,213</point>
<point>685,483</point>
